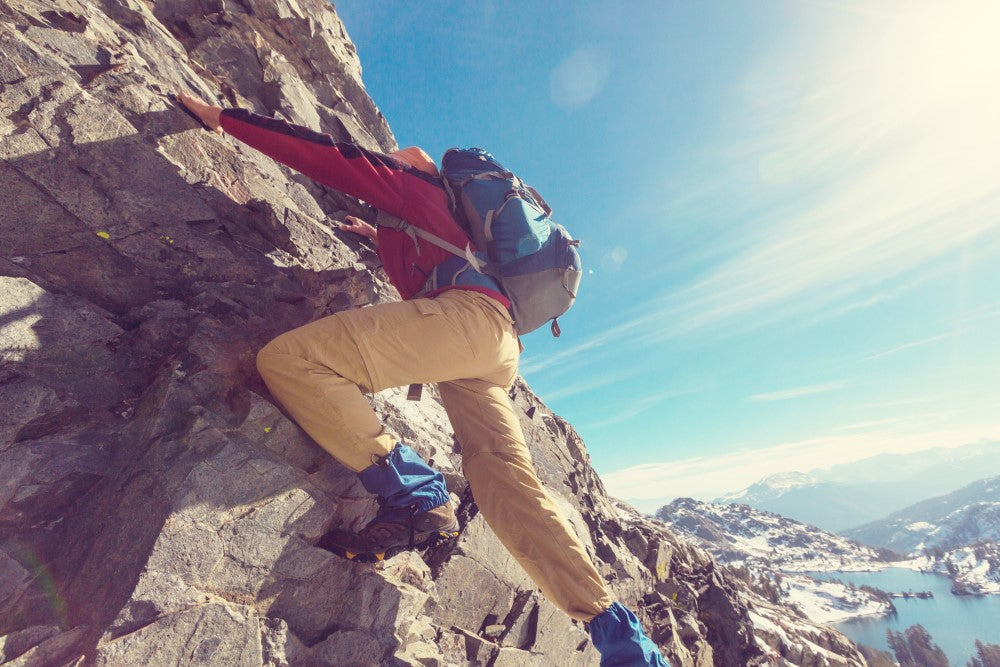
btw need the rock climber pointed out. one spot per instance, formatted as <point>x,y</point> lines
<point>461,337</point>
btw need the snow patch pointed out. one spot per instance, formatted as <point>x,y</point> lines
<point>921,527</point>
<point>829,601</point>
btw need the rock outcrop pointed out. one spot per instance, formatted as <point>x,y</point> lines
<point>155,506</point>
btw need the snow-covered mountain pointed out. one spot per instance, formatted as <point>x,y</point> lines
<point>957,535</point>
<point>772,551</point>
<point>975,569</point>
<point>960,518</point>
<point>772,486</point>
<point>859,492</point>
<point>743,535</point>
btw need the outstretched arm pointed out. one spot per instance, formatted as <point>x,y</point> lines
<point>382,181</point>
<point>376,178</point>
<point>210,116</point>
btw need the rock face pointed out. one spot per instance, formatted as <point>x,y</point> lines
<point>155,506</point>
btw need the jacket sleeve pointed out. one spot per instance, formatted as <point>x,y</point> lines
<point>373,177</point>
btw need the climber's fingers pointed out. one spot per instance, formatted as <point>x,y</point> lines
<point>206,114</point>
<point>358,226</point>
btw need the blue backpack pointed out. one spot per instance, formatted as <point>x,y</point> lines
<point>534,259</point>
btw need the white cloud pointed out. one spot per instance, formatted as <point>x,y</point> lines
<point>797,392</point>
<point>534,364</point>
<point>860,426</point>
<point>579,78</point>
<point>885,292</point>
<point>903,401</point>
<point>906,346</point>
<point>891,183</point>
<point>913,421</point>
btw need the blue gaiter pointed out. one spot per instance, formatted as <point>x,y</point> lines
<point>402,479</point>
<point>618,637</point>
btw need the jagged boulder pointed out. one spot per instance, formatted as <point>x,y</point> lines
<point>155,506</point>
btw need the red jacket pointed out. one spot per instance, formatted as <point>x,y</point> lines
<point>384,182</point>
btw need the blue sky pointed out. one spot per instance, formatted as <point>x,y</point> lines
<point>790,216</point>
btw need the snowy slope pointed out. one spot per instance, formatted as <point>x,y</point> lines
<point>742,535</point>
<point>974,569</point>
<point>773,548</point>
<point>966,516</point>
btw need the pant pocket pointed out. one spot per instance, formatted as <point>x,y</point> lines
<point>428,307</point>
<point>461,318</point>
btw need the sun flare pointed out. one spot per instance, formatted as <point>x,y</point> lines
<point>940,63</point>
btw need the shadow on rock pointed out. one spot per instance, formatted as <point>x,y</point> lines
<point>140,276</point>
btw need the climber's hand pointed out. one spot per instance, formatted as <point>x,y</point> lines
<point>206,113</point>
<point>359,226</point>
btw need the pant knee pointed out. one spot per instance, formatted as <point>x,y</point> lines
<point>269,357</point>
<point>263,362</point>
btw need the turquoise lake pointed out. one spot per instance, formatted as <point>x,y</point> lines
<point>953,621</point>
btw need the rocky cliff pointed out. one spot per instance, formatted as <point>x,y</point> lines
<point>155,506</point>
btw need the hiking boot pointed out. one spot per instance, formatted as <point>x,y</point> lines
<point>393,530</point>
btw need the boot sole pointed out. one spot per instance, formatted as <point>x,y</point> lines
<point>432,539</point>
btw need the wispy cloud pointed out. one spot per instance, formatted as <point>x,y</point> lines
<point>878,202</point>
<point>638,405</point>
<point>852,298</point>
<point>861,426</point>
<point>651,485</point>
<point>577,388</point>
<point>534,364</point>
<point>906,346</point>
<point>798,392</point>
<point>844,157</point>
<point>903,401</point>
<point>913,421</point>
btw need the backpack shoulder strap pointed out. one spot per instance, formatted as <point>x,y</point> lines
<point>383,219</point>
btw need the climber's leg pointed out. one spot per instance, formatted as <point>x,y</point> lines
<point>319,371</point>
<point>515,505</point>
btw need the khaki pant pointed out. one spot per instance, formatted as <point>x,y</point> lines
<point>465,342</point>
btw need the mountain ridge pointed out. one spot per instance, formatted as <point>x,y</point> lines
<point>960,518</point>
<point>851,494</point>
<point>956,534</point>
